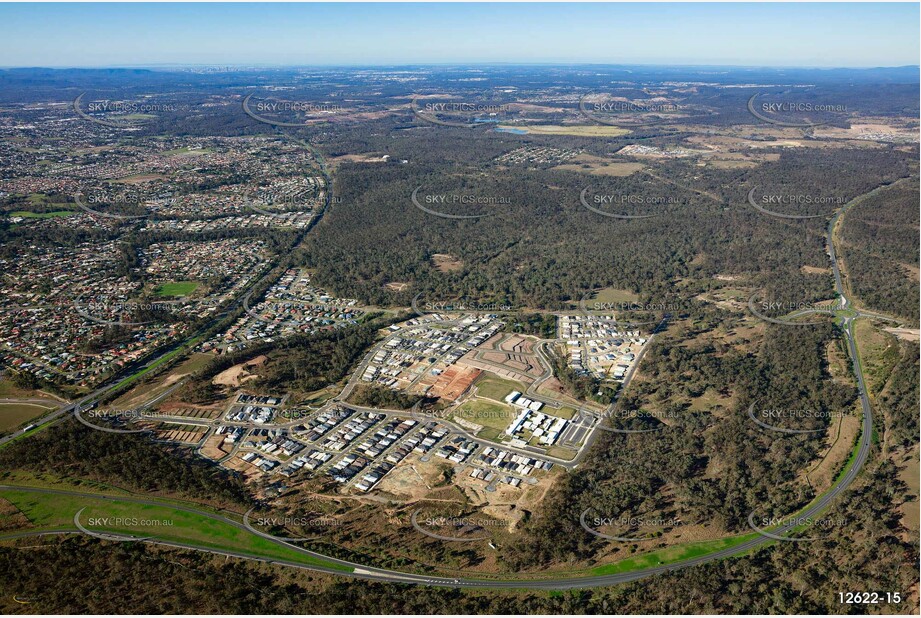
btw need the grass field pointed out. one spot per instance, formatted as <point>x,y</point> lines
<point>614,295</point>
<point>15,414</point>
<point>487,413</point>
<point>151,389</point>
<point>176,288</point>
<point>491,386</point>
<point>574,130</point>
<point>562,452</point>
<point>880,352</point>
<point>162,522</point>
<point>489,433</point>
<point>564,412</point>
<point>618,170</point>
<point>670,554</point>
<point>9,390</point>
<point>42,215</point>
<point>167,522</point>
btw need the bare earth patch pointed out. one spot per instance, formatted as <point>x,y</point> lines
<point>446,262</point>
<point>212,448</point>
<point>814,270</point>
<point>908,334</point>
<point>237,375</point>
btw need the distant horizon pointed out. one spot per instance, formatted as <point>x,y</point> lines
<point>766,35</point>
<point>64,67</point>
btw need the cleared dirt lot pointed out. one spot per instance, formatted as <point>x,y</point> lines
<point>238,374</point>
<point>452,383</point>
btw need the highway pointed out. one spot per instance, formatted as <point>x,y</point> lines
<point>556,583</point>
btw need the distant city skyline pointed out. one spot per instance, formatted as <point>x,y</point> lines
<point>819,35</point>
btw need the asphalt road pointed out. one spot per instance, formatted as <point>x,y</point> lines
<point>559,583</point>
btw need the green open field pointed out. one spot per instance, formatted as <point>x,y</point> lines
<point>42,215</point>
<point>486,413</point>
<point>613,295</point>
<point>8,390</point>
<point>176,288</point>
<point>491,386</point>
<point>15,414</point>
<point>160,521</point>
<point>490,433</point>
<point>149,390</point>
<point>616,169</point>
<point>564,412</point>
<point>671,554</point>
<point>562,452</point>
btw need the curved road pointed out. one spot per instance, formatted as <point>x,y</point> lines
<point>560,583</point>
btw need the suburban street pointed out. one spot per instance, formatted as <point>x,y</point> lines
<point>555,583</point>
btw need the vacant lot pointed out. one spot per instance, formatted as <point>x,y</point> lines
<point>177,288</point>
<point>15,414</point>
<point>446,263</point>
<point>598,166</point>
<point>493,387</point>
<point>487,413</point>
<point>42,215</point>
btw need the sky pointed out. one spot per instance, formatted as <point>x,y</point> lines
<point>757,34</point>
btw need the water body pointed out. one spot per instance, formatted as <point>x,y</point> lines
<point>511,130</point>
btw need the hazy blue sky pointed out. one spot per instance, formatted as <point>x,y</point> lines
<point>856,35</point>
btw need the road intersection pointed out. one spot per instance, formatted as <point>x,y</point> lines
<point>817,506</point>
